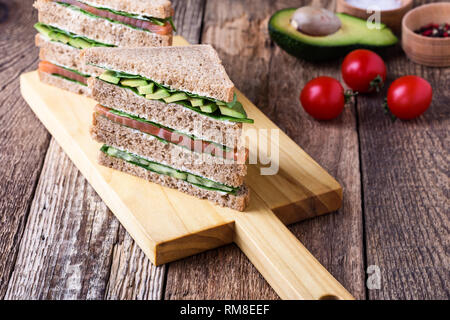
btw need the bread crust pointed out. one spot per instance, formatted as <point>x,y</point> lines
<point>196,69</point>
<point>63,55</point>
<point>97,29</point>
<point>152,8</point>
<point>217,169</point>
<point>236,202</point>
<point>170,115</point>
<point>64,84</point>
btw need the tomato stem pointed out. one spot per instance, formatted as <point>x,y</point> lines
<point>376,84</point>
<point>387,111</point>
<point>349,94</point>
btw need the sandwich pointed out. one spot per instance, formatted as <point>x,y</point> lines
<point>170,115</point>
<point>67,26</point>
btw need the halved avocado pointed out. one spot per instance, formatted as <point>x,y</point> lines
<point>353,34</point>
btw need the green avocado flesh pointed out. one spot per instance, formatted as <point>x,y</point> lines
<point>68,38</point>
<point>168,171</point>
<point>232,111</point>
<point>353,34</point>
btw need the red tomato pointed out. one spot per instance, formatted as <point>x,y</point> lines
<point>408,97</point>
<point>363,71</point>
<point>323,98</point>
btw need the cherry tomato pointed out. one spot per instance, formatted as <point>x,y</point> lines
<point>323,98</point>
<point>363,71</point>
<point>408,97</point>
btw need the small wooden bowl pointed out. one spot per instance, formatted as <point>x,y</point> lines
<point>391,18</point>
<point>434,52</point>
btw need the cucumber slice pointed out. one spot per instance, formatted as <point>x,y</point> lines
<point>176,97</point>
<point>143,162</point>
<point>148,89</point>
<point>179,175</point>
<point>220,103</point>
<point>161,169</point>
<point>134,83</point>
<point>209,108</point>
<point>110,77</point>
<point>207,183</point>
<point>197,102</point>
<point>111,151</point>
<point>159,94</point>
<point>236,111</point>
<point>128,157</point>
<point>167,171</point>
<point>193,179</point>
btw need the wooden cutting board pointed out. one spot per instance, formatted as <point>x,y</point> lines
<point>169,225</point>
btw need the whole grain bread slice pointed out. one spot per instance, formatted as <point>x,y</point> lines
<point>170,115</point>
<point>195,69</point>
<point>236,202</point>
<point>64,84</point>
<point>97,29</point>
<point>63,55</point>
<point>217,169</point>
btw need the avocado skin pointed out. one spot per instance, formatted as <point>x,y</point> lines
<point>311,52</point>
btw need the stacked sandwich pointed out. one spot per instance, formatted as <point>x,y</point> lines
<point>66,26</point>
<point>170,115</point>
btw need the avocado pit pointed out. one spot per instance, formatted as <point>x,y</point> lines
<point>315,21</point>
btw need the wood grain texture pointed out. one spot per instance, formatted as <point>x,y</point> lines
<point>132,276</point>
<point>188,18</point>
<point>282,260</point>
<point>134,272</point>
<point>272,80</point>
<point>406,190</point>
<point>23,140</point>
<point>67,245</point>
<point>167,224</point>
<point>407,221</point>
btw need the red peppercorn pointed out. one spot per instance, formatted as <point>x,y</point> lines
<point>434,30</point>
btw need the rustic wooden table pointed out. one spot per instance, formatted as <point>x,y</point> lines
<point>58,240</point>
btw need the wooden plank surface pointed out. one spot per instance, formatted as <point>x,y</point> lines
<point>340,240</point>
<point>406,190</point>
<point>179,225</point>
<point>136,271</point>
<point>129,273</point>
<point>405,233</point>
<point>67,246</point>
<point>23,140</point>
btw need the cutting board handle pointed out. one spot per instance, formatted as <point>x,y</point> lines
<point>284,262</point>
